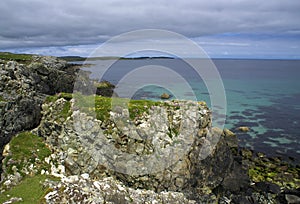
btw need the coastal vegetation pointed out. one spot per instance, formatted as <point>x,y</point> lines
<point>30,189</point>
<point>25,160</point>
<point>22,58</point>
<point>26,149</point>
<point>101,105</point>
<point>275,171</point>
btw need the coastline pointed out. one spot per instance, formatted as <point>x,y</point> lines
<point>266,174</point>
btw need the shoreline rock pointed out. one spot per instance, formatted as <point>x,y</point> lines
<point>244,129</point>
<point>165,96</point>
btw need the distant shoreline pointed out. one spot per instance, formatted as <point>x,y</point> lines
<point>23,57</point>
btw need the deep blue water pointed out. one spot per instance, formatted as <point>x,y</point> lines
<point>261,94</point>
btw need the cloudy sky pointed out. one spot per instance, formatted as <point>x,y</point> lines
<point>223,28</point>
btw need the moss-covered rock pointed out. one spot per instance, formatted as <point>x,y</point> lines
<point>263,169</point>
<point>105,88</point>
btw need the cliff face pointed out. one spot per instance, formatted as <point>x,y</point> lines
<point>179,139</point>
<point>23,88</point>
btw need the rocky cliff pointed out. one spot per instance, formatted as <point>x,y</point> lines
<point>23,88</point>
<point>74,137</point>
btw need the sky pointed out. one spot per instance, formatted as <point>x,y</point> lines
<point>223,28</point>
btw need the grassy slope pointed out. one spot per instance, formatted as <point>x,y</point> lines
<point>23,58</point>
<point>30,190</point>
<point>25,149</point>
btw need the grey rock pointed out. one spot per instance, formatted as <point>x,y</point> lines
<point>195,170</point>
<point>13,200</point>
<point>292,199</point>
<point>24,88</point>
<point>108,190</point>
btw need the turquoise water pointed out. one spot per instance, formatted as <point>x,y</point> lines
<point>261,94</point>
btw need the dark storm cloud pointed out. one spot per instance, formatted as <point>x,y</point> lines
<point>54,23</point>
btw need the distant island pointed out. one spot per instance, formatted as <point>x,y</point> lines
<point>78,58</point>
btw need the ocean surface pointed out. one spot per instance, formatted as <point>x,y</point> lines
<point>261,94</point>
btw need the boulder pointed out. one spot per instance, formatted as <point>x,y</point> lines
<point>243,129</point>
<point>105,88</point>
<point>165,96</point>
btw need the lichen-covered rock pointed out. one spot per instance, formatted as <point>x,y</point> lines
<point>80,189</point>
<point>191,157</point>
<point>22,91</point>
<point>105,88</point>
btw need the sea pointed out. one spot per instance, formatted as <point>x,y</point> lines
<point>263,95</point>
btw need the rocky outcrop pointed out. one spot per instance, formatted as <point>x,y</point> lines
<point>181,138</point>
<point>105,88</point>
<point>80,189</point>
<point>165,96</point>
<point>23,88</point>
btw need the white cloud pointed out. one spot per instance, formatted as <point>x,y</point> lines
<point>74,27</point>
<point>57,23</point>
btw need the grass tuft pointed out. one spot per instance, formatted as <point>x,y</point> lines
<point>31,190</point>
<point>25,149</point>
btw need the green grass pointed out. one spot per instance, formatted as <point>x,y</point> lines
<point>104,84</point>
<point>25,149</point>
<point>101,105</point>
<point>138,107</point>
<point>25,144</point>
<point>67,96</point>
<point>65,112</point>
<point>7,56</point>
<point>30,190</point>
